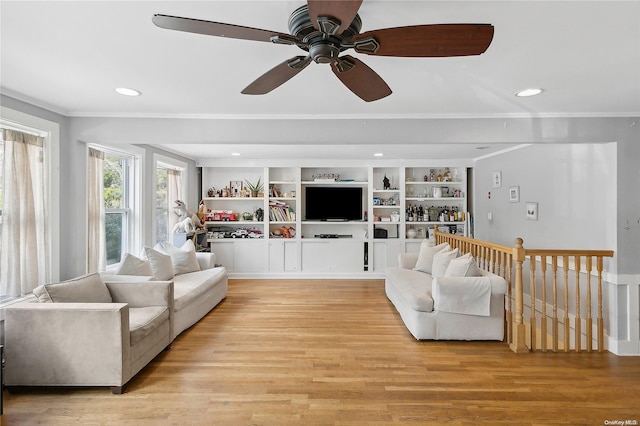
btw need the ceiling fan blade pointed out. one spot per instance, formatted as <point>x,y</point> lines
<point>360,79</point>
<point>344,11</point>
<point>277,76</point>
<point>438,40</point>
<point>218,29</point>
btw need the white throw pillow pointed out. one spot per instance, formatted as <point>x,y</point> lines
<point>441,262</point>
<point>463,266</point>
<point>161,264</point>
<point>132,265</point>
<point>84,289</point>
<point>425,256</point>
<point>184,259</point>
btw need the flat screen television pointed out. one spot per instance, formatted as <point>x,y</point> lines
<point>333,203</point>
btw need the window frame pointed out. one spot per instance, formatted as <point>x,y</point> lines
<point>162,161</point>
<point>51,132</point>
<point>132,180</point>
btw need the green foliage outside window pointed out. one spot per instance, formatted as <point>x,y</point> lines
<point>114,198</point>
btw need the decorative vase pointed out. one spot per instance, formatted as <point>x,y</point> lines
<point>411,233</point>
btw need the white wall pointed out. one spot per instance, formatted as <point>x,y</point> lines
<point>578,191</point>
<point>573,184</point>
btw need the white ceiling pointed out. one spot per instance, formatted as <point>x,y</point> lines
<point>68,56</point>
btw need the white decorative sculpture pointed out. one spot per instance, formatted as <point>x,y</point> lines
<point>189,221</point>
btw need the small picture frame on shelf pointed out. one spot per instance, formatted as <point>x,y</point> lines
<point>236,188</point>
<point>514,194</point>
<point>532,211</point>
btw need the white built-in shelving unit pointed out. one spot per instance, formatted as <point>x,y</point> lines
<point>364,248</point>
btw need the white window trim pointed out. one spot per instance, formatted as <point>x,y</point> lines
<point>168,163</point>
<point>135,238</point>
<point>51,132</point>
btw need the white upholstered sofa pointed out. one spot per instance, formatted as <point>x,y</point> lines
<point>93,334</point>
<point>102,329</point>
<point>199,285</point>
<point>441,296</point>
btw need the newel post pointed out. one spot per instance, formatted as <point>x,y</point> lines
<point>517,344</point>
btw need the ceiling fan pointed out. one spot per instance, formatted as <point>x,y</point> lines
<point>326,28</point>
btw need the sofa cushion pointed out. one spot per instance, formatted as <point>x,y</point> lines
<point>143,321</point>
<point>463,266</point>
<point>189,287</point>
<point>84,289</point>
<point>184,259</point>
<point>413,287</point>
<point>161,264</point>
<point>425,256</point>
<point>441,261</point>
<point>132,265</point>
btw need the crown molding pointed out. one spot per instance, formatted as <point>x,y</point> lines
<point>351,116</point>
<point>34,102</point>
<point>151,115</point>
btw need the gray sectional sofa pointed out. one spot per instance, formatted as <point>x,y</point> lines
<point>102,329</point>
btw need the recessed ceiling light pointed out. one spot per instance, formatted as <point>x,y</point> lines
<point>128,92</point>
<point>528,92</point>
<point>235,154</point>
<point>483,147</point>
<point>378,154</point>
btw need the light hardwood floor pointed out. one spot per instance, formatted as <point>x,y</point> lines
<point>335,352</point>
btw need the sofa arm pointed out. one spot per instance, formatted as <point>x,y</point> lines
<point>141,294</point>
<point>497,283</point>
<point>206,260</point>
<point>407,260</point>
<point>465,295</point>
<point>67,344</point>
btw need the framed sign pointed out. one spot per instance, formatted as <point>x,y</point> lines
<point>532,211</point>
<point>514,194</point>
<point>236,187</point>
<point>497,179</point>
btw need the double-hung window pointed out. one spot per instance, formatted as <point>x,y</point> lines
<point>169,188</point>
<point>28,203</point>
<point>114,227</point>
<point>117,206</point>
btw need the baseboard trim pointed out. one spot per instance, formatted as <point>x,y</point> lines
<point>623,347</point>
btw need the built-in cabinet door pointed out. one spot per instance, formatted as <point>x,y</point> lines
<point>347,256</point>
<point>241,255</point>
<point>250,256</point>
<point>315,256</point>
<point>336,256</point>
<point>385,254</point>
<point>224,251</point>
<point>283,256</point>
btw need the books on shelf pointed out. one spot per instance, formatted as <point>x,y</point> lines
<point>281,212</point>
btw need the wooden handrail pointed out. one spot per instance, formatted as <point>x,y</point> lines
<point>556,252</point>
<point>508,263</point>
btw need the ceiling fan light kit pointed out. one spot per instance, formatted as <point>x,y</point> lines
<point>325,29</point>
